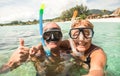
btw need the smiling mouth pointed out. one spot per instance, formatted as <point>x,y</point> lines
<point>81,44</point>
<point>52,42</point>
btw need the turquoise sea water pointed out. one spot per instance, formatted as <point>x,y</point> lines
<point>107,36</point>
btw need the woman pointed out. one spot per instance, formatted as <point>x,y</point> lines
<point>88,55</point>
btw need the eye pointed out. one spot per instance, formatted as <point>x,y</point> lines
<point>86,32</point>
<point>46,35</point>
<point>56,34</point>
<point>75,33</point>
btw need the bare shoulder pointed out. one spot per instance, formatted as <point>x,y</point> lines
<point>98,52</point>
<point>98,59</point>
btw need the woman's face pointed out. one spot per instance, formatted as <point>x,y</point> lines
<point>82,37</point>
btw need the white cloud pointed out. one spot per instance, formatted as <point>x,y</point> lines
<point>19,9</point>
<point>29,9</point>
<point>4,1</point>
<point>55,7</point>
<point>10,13</point>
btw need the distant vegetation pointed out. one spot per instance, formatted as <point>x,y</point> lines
<point>100,12</point>
<point>20,23</point>
<point>66,15</point>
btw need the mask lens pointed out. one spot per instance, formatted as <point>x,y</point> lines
<point>74,33</point>
<point>46,35</point>
<point>52,35</point>
<point>88,33</point>
<point>57,34</point>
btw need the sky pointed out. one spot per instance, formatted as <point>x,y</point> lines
<point>24,10</point>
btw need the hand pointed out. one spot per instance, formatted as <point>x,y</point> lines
<point>19,56</point>
<point>33,51</point>
<point>36,53</point>
<point>36,50</point>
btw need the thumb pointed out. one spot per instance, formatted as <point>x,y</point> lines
<point>21,42</point>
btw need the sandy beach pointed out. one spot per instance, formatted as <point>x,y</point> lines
<point>105,20</point>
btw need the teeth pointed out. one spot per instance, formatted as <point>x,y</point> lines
<point>81,44</point>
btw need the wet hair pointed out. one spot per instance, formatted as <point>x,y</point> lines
<point>82,23</point>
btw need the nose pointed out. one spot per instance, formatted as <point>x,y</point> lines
<point>52,37</point>
<point>81,36</point>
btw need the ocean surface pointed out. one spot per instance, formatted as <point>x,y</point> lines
<point>107,36</point>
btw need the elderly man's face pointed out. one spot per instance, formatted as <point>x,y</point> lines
<point>52,35</point>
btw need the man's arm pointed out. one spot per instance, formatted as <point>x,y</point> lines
<point>5,68</point>
<point>18,57</point>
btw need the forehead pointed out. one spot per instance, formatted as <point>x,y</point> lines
<point>82,23</point>
<point>50,25</point>
<point>81,26</point>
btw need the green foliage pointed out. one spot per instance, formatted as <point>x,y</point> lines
<point>14,22</point>
<point>83,16</point>
<point>82,12</point>
<point>66,15</point>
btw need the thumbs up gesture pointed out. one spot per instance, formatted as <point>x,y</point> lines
<point>19,56</point>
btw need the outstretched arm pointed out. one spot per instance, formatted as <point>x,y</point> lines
<point>98,63</point>
<point>17,58</point>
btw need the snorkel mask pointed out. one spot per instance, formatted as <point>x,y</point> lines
<point>52,34</point>
<point>87,32</point>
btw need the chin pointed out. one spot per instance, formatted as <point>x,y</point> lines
<point>53,46</point>
<point>81,48</point>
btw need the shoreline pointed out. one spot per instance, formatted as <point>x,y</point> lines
<point>117,19</point>
<point>101,20</point>
<point>105,20</point>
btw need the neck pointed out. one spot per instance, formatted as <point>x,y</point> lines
<point>82,53</point>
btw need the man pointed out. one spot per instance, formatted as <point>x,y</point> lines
<point>18,57</point>
<point>53,65</point>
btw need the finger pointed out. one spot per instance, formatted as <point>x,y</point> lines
<point>39,46</point>
<point>24,58</point>
<point>32,51</point>
<point>23,52</point>
<point>21,42</point>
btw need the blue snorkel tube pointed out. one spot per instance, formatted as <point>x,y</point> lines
<point>46,49</point>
